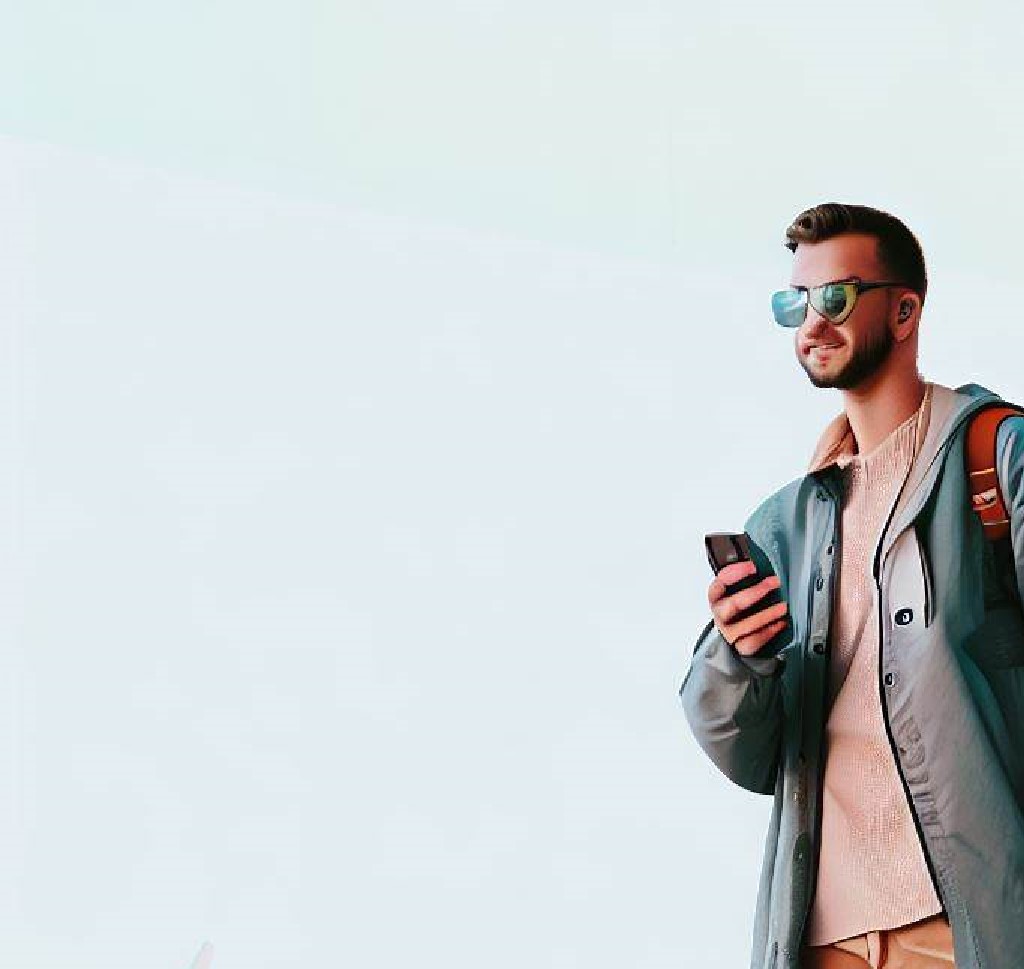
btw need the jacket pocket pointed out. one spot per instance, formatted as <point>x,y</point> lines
<point>929,584</point>
<point>908,598</point>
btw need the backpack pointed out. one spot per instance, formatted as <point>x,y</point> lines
<point>986,497</point>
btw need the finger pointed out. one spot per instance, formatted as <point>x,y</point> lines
<point>748,645</point>
<point>727,577</point>
<point>729,607</point>
<point>737,630</point>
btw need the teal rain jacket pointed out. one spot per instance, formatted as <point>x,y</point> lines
<point>950,677</point>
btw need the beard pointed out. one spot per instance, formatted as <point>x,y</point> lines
<point>863,363</point>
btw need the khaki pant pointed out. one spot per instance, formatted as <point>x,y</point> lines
<point>927,944</point>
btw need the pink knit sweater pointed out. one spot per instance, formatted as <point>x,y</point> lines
<point>872,873</point>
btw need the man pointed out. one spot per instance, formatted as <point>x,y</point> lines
<point>887,715</point>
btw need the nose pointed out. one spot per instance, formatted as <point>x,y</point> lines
<point>816,328</point>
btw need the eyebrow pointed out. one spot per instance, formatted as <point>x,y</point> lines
<point>842,279</point>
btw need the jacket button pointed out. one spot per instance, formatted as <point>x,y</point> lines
<point>819,583</point>
<point>819,647</point>
<point>829,549</point>
<point>890,679</point>
<point>904,616</point>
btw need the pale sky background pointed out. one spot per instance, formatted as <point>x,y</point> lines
<point>370,376</point>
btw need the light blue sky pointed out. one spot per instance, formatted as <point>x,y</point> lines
<point>371,379</point>
<point>652,131</point>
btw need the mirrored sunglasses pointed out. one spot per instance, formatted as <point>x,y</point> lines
<point>835,301</point>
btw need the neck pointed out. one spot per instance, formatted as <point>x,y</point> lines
<point>876,408</point>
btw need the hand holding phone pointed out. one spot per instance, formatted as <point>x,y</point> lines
<point>748,611</point>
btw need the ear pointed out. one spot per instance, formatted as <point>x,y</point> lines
<point>908,309</point>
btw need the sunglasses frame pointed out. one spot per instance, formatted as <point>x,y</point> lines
<point>859,286</point>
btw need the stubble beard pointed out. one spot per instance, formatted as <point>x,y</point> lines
<point>864,363</point>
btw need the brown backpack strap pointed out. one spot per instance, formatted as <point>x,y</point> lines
<point>981,466</point>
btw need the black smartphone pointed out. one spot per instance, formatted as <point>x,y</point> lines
<point>725,548</point>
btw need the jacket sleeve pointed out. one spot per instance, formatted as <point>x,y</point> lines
<point>733,702</point>
<point>734,706</point>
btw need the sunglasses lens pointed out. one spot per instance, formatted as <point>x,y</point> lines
<point>834,301</point>
<point>789,307</point>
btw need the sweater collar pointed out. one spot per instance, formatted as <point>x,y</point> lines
<point>836,444</point>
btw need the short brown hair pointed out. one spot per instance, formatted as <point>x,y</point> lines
<point>899,252</point>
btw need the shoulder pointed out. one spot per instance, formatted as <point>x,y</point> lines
<point>1010,457</point>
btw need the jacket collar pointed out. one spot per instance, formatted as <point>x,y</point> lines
<point>946,405</point>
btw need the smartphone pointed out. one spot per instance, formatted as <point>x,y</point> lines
<point>725,548</point>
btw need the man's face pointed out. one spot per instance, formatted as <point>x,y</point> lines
<point>864,338</point>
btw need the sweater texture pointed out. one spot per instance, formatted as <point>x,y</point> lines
<point>872,872</point>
